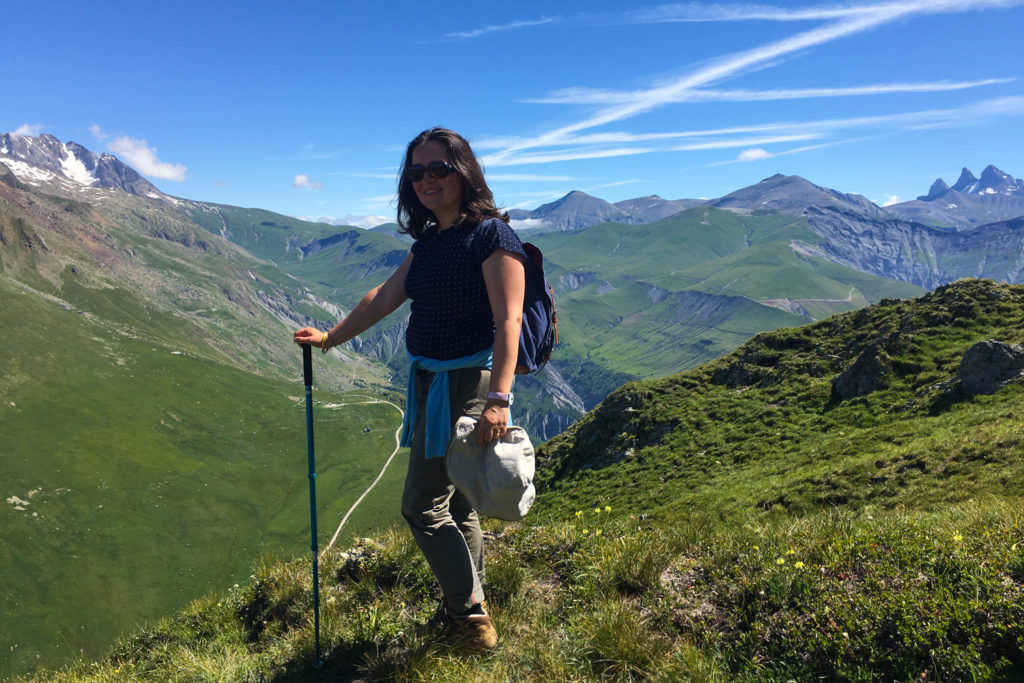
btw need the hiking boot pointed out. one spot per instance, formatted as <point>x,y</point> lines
<point>472,631</point>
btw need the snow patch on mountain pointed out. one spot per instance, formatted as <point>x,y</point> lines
<point>75,170</point>
<point>28,173</point>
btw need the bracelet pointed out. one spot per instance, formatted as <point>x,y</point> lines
<point>323,341</point>
<point>500,396</point>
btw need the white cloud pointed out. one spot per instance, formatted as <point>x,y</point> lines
<point>700,12</point>
<point>29,129</point>
<point>591,145</point>
<point>597,96</point>
<point>528,224</point>
<point>744,142</point>
<point>302,180</point>
<point>567,155</point>
<point>891,199</point>
<point>842,22</point>
<point>139,155</point>
<point>143,158</point>
<point>797,150</point>
<point>755,154</point>
<point>703,12</point>
<point>617,183</point>
<point>366,222</point>
<point>476,33</point>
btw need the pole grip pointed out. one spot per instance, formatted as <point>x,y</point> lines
<point>307,365</point>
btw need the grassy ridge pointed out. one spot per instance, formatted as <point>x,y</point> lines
<point>747,418</point>
<point>734,522</point>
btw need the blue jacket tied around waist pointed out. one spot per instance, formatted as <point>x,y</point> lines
<point>439,416</point>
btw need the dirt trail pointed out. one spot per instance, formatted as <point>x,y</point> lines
<point>398,437</point>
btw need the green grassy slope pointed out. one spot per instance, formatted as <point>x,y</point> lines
<point>148,426</point>
<point>747,419</point>
<point>617,325</point>
<point>338,264</point>
<point>733,522</point>
<point>153,475</point>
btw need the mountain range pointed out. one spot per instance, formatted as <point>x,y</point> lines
<point>47,161</point>
<point>655,285</point>
<point>996,196</point>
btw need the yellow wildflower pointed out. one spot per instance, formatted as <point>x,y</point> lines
<point>597,511</point>
<point>607,508</point>
<point>586,531</point>
<point>799,565</point>
<point>957,537</point>
<point>579,513</point>
<point>780,561</point>
<point>597,533</point>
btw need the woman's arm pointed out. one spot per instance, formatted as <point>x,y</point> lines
<point>374,306</point>
<point>506,283</point>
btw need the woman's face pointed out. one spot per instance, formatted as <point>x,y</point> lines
<point>442,196</point>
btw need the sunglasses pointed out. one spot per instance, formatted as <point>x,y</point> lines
<point>436,169</point>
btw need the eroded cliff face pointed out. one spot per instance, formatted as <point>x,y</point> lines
<point>916,253</point>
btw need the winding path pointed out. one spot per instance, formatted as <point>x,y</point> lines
<point>398,437</point>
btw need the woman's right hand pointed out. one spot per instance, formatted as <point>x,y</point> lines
<point>308,336</point>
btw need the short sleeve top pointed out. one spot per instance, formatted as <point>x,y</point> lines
<point>450,313</point>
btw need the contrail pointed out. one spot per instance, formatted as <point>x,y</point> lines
<point>855,20</point>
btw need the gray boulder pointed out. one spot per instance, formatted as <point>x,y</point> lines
<point>989,365</point>
<point>867,374</point>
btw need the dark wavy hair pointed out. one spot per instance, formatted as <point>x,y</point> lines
<point>477,201</point>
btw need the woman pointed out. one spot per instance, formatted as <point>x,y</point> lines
<point>465,277</point>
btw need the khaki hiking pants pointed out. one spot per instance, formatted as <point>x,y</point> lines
<point>444,525</point>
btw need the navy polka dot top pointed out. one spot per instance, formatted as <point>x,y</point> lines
<point>451,315</point>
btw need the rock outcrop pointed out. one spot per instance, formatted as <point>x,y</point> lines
<point>989,365</point>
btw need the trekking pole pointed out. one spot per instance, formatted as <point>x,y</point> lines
<point>307,373</point>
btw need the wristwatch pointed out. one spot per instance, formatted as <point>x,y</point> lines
<point>500,396</point>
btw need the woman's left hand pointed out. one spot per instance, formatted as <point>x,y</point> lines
<point>492,424</point>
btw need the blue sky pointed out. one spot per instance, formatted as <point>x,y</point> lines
<point>305,108</point>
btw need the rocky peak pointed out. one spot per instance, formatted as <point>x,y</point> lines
<point>995,181</point>
<point>794,195</point>
<point>44,159</point>
<point>966,183</point>
<point>938,188</point>
<point>578,210</point>
<point>44,151</point>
